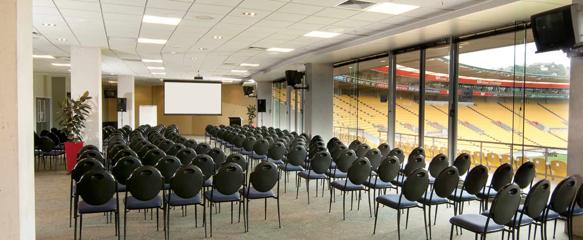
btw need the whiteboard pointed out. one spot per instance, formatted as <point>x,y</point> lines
<point>192,97</point>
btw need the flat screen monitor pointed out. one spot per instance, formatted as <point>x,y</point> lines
<point>192,97</point>
<point>553,30</point>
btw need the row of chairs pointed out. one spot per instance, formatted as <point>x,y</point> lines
<point>49,147</point>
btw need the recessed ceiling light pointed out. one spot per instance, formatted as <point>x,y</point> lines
<point>62,39</point>
<point>155,68</point>
<point>152,41</point>
<point>239,71</point>
<point>173,52</point>
<point>284,50</point>
<point>61,64</point>
<point>203,49</point>
<point>152,60</point>
<point>249,65</point>
<point>218,37</point>
<point>391,8</point>
<point>205,18</point>
<point>158,73</point>
<point>49,24</point>
<point>43,56</point>
<point>112,82</point>
<point>320,34</point>
<point>161,20</point>
<point>251,14</point>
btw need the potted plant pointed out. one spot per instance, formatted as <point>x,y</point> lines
<point>74,114</point>
<point>251,114</point>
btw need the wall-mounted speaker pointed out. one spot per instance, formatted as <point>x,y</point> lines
<point>261,105</point>
<point>122,104</point>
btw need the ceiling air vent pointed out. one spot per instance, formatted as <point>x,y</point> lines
<point>355,4</point>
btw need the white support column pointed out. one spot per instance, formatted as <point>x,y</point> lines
<point>16,121</point>
<point>86,76</point>
<point>319,100</point>
<point>264,92</point>
<point>125,89</point>
<point>575,143</point>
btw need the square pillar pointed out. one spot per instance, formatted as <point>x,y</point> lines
<point>126,89</point>
<point>319,100</point>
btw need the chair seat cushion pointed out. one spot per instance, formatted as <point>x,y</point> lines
<point>236,149</point>
<point>258,157</point>
<point>276,162</point>
<point>346,185</point>
<point>208,183</point>
<point>377,183</point>
<point>433,200</point>
<point>175,200</point>
<point>109,206</point>
<point>487,193</point>
<point>309,174</point>
<point>291,168</point>
<point>252,193</point>
<point>399,181</point>
<point>335,173</point>
<point>463,198</point>
<point>577,211</point>
<point>217,196</point>
<point>475,223</point>
<point>134,203</point>
<point>392,200</point>
<point>526,220</point>
<point>245,152</point>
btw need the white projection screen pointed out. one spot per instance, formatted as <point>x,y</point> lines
<point>192,97</point>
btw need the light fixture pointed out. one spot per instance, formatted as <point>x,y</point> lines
<point>321,34</point>
<point>249,65</point>
<point>112,82</point>
<point>152,60</point>
<point>250,14</point>
<point>391,8</point>
<point>62,39</point>
<point>43,56</point>
<point>152,41</point>
<point>61,64</point>
<point>158,73</point>
<point>155,68</point>
<point>204,17</point>
<point>49,24</point>
<point>218,37</point>
<point>239,71</point>
<point>161,20</point>
<point>203,49</point>
<point>284,50</point>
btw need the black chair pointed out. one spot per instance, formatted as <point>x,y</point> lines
<point>436,166</point>
<point>276,153</point>
<point>399,154</point>
<point>317,168</point>
<point>240,160</point>
<point>123,169</point>
<point>145,149</point>
<point>92,154</point>
<point>293,163</point>
<point>185,186</point>
<point>207,166</point>
<point>354,145</point>
<point>385,149</point>
<point>503,210</point>
<point>414,162</point>
<point>475,180</point>
<point>186,155</point>
<point>358,173</point>
<point>80,168</point>
<point>443,186</point>
<point>97,188</point>
<point>174,149</point>
<point>462,163</point>
<point>525,175</point>
<point>144,185</point>
<point>226,185</point>
<point>261,183</point>
<point>48,149</point>
<point>342,163</point>
<point>167,167</point>
<point>260,150</point>
<point>386,172</point>
<point>165,144</point>
<point>202,148</point>
<point>190,143</point>
<point>362,150</point>
<point>560,205</point>
<point>414,187</point>
<point>218,156</point>
<point>247,149</point>
<point>501,177</point>
<point>153,156</point>
<point>122,153</point>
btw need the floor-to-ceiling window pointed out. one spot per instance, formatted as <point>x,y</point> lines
<point>407,101</point>
<point>345,119</point>
<point>373,100</point>
<point>436,100</point>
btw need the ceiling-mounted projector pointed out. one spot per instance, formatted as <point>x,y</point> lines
<point>197,76</point>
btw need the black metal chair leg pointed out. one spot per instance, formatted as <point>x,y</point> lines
<point>343,205</point>
<point>376,214</point>
<point>407,219</point>
<point>80,226</point>
<point>398,224</point>
<point>278,214</point>
<point>425,222</point>
<point>308,189</point>
<point>451,233</point>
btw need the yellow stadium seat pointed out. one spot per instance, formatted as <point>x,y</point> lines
<point>558,169</point>
<point>540,166</point>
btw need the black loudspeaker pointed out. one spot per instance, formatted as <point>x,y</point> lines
<point>384,98</point>
<point>122,104</point>
<point>293,77</point>
<point>261,105</point>
<point>248,90</point>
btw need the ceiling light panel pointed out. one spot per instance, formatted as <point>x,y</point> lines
<point>161,20</point>
<point>277,49</point>
<point>152,41</point>
<point>249,65</point>
<point>155,68</point>
<point>391,8</point>
<point>43,57</point>
<point>321,34</point>
<point>152,60</point>
<point>61,64</point>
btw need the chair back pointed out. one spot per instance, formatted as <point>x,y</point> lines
<point>359,172</point>
<point>362,150</point>
<point>437,164</point>
<point>46,144</point>
<point>338,151</point>
<point>92,154</point>
<point>206,165</point>
<point>239,140</point>
<point>416,184</point>
<point>297,156</point>
<point>96,187</point>
<point>345,160</point>
<point>384,148</point>
<point>505,204</point>
<point>525,175</point>
<point>321,161</point>
<point>332,142</point>
<point>502,176</point>
<point>168,166</point>
<point>388,170</point>
<point>218,156</point>
<point>124,168</point>
<point>174,149</point>
<point>276,151</point>
<point>374,156</point>
<point>83,166</point>
<point>123,153</point>
<point>414,163</point>
<point>313,151</point>
<point>476,179</point>
<point>88,147</point>
<point>165,144</point>
<point>202,148</point>
<point>238,159</point>
<point>537,198</point>
<point>446,182</point>
<point>229,179</point>
<point>398,153</point>
<point>190,143</point>
<point>417,151</point>
<point>186,155</point>
<point>261,147</point>
<point>153,156</point>
<point>187,181</point>
<point>354,145</point>
<point>145,183</point>
<point>145,149</point>
<point>462,163</point>
<point>264,176</point>
<point>563,195</point>
<point>249,143</point>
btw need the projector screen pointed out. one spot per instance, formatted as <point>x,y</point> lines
<point>192,97</point>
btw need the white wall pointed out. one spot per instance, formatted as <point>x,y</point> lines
<point>319,100</point>
<point>264,92</point>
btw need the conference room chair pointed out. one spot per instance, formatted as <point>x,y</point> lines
<point>241,161</point>
<point>202,148</point>
<point>387,171</point>
<point>358,173</point>
<point>436,165</point>
<point>122,171</point>
<point>80,168</point>
<point>225,188</point>
<point>293,163</point>
<point>501,177</point>
<point>560,205</point>
<point>343,162</point>
<point>414,187</point>
<point>152,157</point>
<point>48,152</point>
<point>362,150</point>
<point>207,166</point>
<point>462,162</point>
<point>316,170</point>
<point>218,156</point>
<point>332,143</point>
<point>167,167</point>
<point>185,187</point>
<point>384,148</point>
<point>262,181</point>
<point>414,162</point>
<point>174,149</point>
<point>399,154</point>
<point>524,176</point>
<point>260,150</point>
<point>443,186</point>
<point>276,153</point>
<point>576,209</point>
<point>238,142</point>
<point>144,185</point>
<point>474,182</point>
<point>186,155</point>
<point>190,143</point>
<point>122,153</point>
<point>96,188</point>
<point>165,145</point>
<point>503,210</point>
<point>354,145</point>
<point>92,154</point>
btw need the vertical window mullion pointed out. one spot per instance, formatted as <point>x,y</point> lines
<point>392,99</point>
<point>421,121</point>
<point>453,98</point>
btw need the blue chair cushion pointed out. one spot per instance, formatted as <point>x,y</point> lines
<point>291,168</point>
<point>236,149</point>
<point>475,223</point>
<point>337,174</point>
<point>309,174</point>
<point>245,152</point>
<point>217,196</point>
<point>526,220</point>
<point>377,183</point>
<point>134,203</point>
<point>175,200</point>
<point>487,193</point>
<point>577,211</point>
<point>346,185</point>
<point>464,197</point>
<point>258,157</point>
<point>252,193</point>
<point>433,200</point>
<point>109,206</point>
<point>276,162</point>
<point>208,183</point>
<point>399,181</point>
<point>392,200</point>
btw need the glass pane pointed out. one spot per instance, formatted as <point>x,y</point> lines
<point>407,105</point>
<point>436,100</point>
<point>345,103</point>
<point>373,80</point>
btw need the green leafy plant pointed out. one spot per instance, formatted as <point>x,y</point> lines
<point>74,114</point>
<point>251,113</point>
